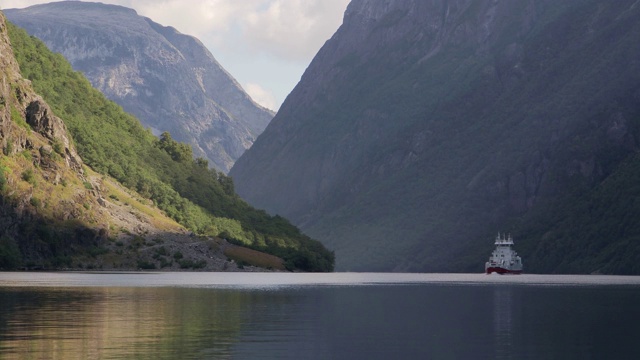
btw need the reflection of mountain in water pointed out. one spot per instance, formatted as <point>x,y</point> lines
<point>314,321</point>
<point>94,323</point>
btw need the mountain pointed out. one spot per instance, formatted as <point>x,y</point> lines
<point>168,80</point>
<point>423,128</point>
<point>53,209</point>
<point>84,185</point>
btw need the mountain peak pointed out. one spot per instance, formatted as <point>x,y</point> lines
<point>169,80</point>
<point>77,6</point>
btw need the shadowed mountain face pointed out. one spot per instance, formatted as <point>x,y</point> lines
<point>422,128</point>
<point>170,81</point>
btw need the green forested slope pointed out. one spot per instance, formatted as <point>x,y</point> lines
<point>113,142</point>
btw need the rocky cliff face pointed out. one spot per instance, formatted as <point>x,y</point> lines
<point>422,128</point>
<point>20,104</point>
<point>170,81</point>
<point>37,157</point>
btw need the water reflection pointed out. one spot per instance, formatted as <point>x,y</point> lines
<point>408,321</point>
<point>379,322</point>
<point>119,323</point>
<point>503,321</point>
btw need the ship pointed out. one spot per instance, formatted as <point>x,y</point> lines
<point>504,260</point>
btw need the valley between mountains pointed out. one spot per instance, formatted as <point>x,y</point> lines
<point>419,131</point>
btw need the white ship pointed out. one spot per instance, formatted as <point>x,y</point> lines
<point>504,260</point>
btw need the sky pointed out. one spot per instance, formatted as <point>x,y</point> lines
<point>264,44</point>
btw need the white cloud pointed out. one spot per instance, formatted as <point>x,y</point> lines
<point>10,4</point>
<point>261,96</point>
<point>290,29</point>
<point>293,29</point>
<point>207,18</point>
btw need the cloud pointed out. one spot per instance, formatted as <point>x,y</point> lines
<point>11,4</point>
<point>207,18</point>
<point>293,29</point>
<point>290,29</point>
<point>261,96</point>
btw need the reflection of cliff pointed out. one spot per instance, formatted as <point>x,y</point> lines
<point>99,323</point>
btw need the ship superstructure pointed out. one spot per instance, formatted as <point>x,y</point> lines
<point>504,260</point>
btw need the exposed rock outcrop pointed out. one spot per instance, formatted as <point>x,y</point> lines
<point>41,119</point>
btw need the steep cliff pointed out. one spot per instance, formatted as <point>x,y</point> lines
<point>35,149</point>
<point>170,81</point>
<point>422,128</point>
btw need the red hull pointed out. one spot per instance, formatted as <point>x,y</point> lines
<point>502,271</point>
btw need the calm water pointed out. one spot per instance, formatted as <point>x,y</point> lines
<point>317,316</point>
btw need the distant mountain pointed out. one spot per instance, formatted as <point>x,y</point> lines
<point>423,128</point>
<point>170,81</point>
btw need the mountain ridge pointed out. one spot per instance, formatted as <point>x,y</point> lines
<point>170,81</point>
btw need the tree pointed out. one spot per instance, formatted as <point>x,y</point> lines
<point>179,152</point>
<point>10,256</point>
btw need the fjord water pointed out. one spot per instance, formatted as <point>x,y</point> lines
<point>317,316</point>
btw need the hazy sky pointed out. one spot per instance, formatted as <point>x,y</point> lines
<point>265,44</point>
